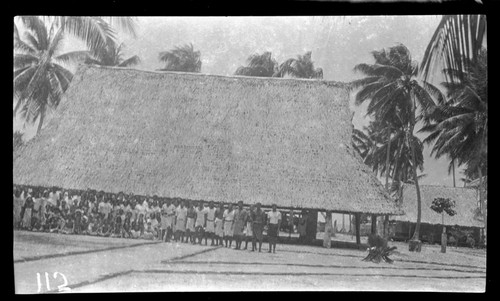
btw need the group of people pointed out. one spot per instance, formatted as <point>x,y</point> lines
<point>131,216</point>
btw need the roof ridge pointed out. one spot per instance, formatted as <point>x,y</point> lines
<point>82,66</point>
<point>440,186</point>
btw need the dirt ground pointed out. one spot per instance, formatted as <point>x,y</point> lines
<point>95,264</point>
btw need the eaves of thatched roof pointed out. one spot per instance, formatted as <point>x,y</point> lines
<point>466,202</point>
<point>205,137</point>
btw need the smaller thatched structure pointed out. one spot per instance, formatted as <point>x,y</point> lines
<point>431,222</point>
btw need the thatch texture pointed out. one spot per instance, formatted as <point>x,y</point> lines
<point>465,198</point>
<point>197,136</point>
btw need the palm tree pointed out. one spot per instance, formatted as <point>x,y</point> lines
<point>94,31</point>
<point>458,40</point>
<point>393,91</point>
<point>112,55</point>
<point>301,67</point>
<point>262,65</point>
<point>458,127</point>
<point>181,58</point>
<point>39,79</point>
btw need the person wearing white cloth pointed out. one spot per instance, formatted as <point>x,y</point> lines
<point>219,216</point>
<point>201,219</point>
<point>228,220</point>
<point>180,221</point>
<point>274,223</point>
<point>191,216</point>
<point>210,229</point>
<point>249,224</point>
<point>170,220</point>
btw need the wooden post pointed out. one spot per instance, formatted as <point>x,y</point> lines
<point>374,224</point>
<point>443,240</point>
<point>350,224</point>
<point>357,220</point>
<point>312,225</point>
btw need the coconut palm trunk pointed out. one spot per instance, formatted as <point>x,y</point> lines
<point>415,244</point>
<point>481,200</point>
<point>453,171</point>
<point>42,117</point>
<point>387,167</point>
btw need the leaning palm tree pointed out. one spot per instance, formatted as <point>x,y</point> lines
<point>181,58</point>
<point>39,77</point>
<point>262,65</point>
<point>458,40</point>
<point>301,67</point>
<point>112,55</point>
<point>393,91</point>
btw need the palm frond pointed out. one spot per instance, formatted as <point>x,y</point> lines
<point>73,57</point>
<point>24,60</point>
<point>131,61</point>
<point>456,37</point>
<point>94,31</point>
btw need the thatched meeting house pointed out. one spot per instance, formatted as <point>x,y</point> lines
<point>205,137</point>
<point>431,227</point>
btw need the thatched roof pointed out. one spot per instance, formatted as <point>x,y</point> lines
<point>198,136</point>
<point>465,203</point>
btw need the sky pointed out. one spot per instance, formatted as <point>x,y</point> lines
<point>337,44</point>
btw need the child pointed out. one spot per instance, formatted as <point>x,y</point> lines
<point>94,224</point>
<point>127,226</point>
<point>117,229</point>
<point>149,232</point>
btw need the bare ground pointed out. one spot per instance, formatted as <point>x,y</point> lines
<point>95,264</point>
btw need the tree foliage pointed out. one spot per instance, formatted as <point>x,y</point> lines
<point>181,58</point>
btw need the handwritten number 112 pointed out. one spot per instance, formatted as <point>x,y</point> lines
<point>62,287</point>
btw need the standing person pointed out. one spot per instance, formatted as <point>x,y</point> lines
<point>27,213</point>
<point>18,205</point>
<point>273,223</point>
<point>228,219</point>
<point>240,217</point>
<point>175,202</point>
<point>201,219</point>
<point>164,226</point>
<point>327,240</point>
<point>249,226</point>
<point>127,225</point>
<point>191,216</point>
<point>170,220</point>
<point>259,218</point>
<point>180,221</point>
<point>219,216</point>
<point>210,230</point>
<point>302,226</point>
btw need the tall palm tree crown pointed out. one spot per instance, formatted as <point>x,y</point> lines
<point>39,77</point>
<point>181,58</point>
<point>262,65</point>
<point>458,126</point>
<point>394,93</point>
<point>301,67</point>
